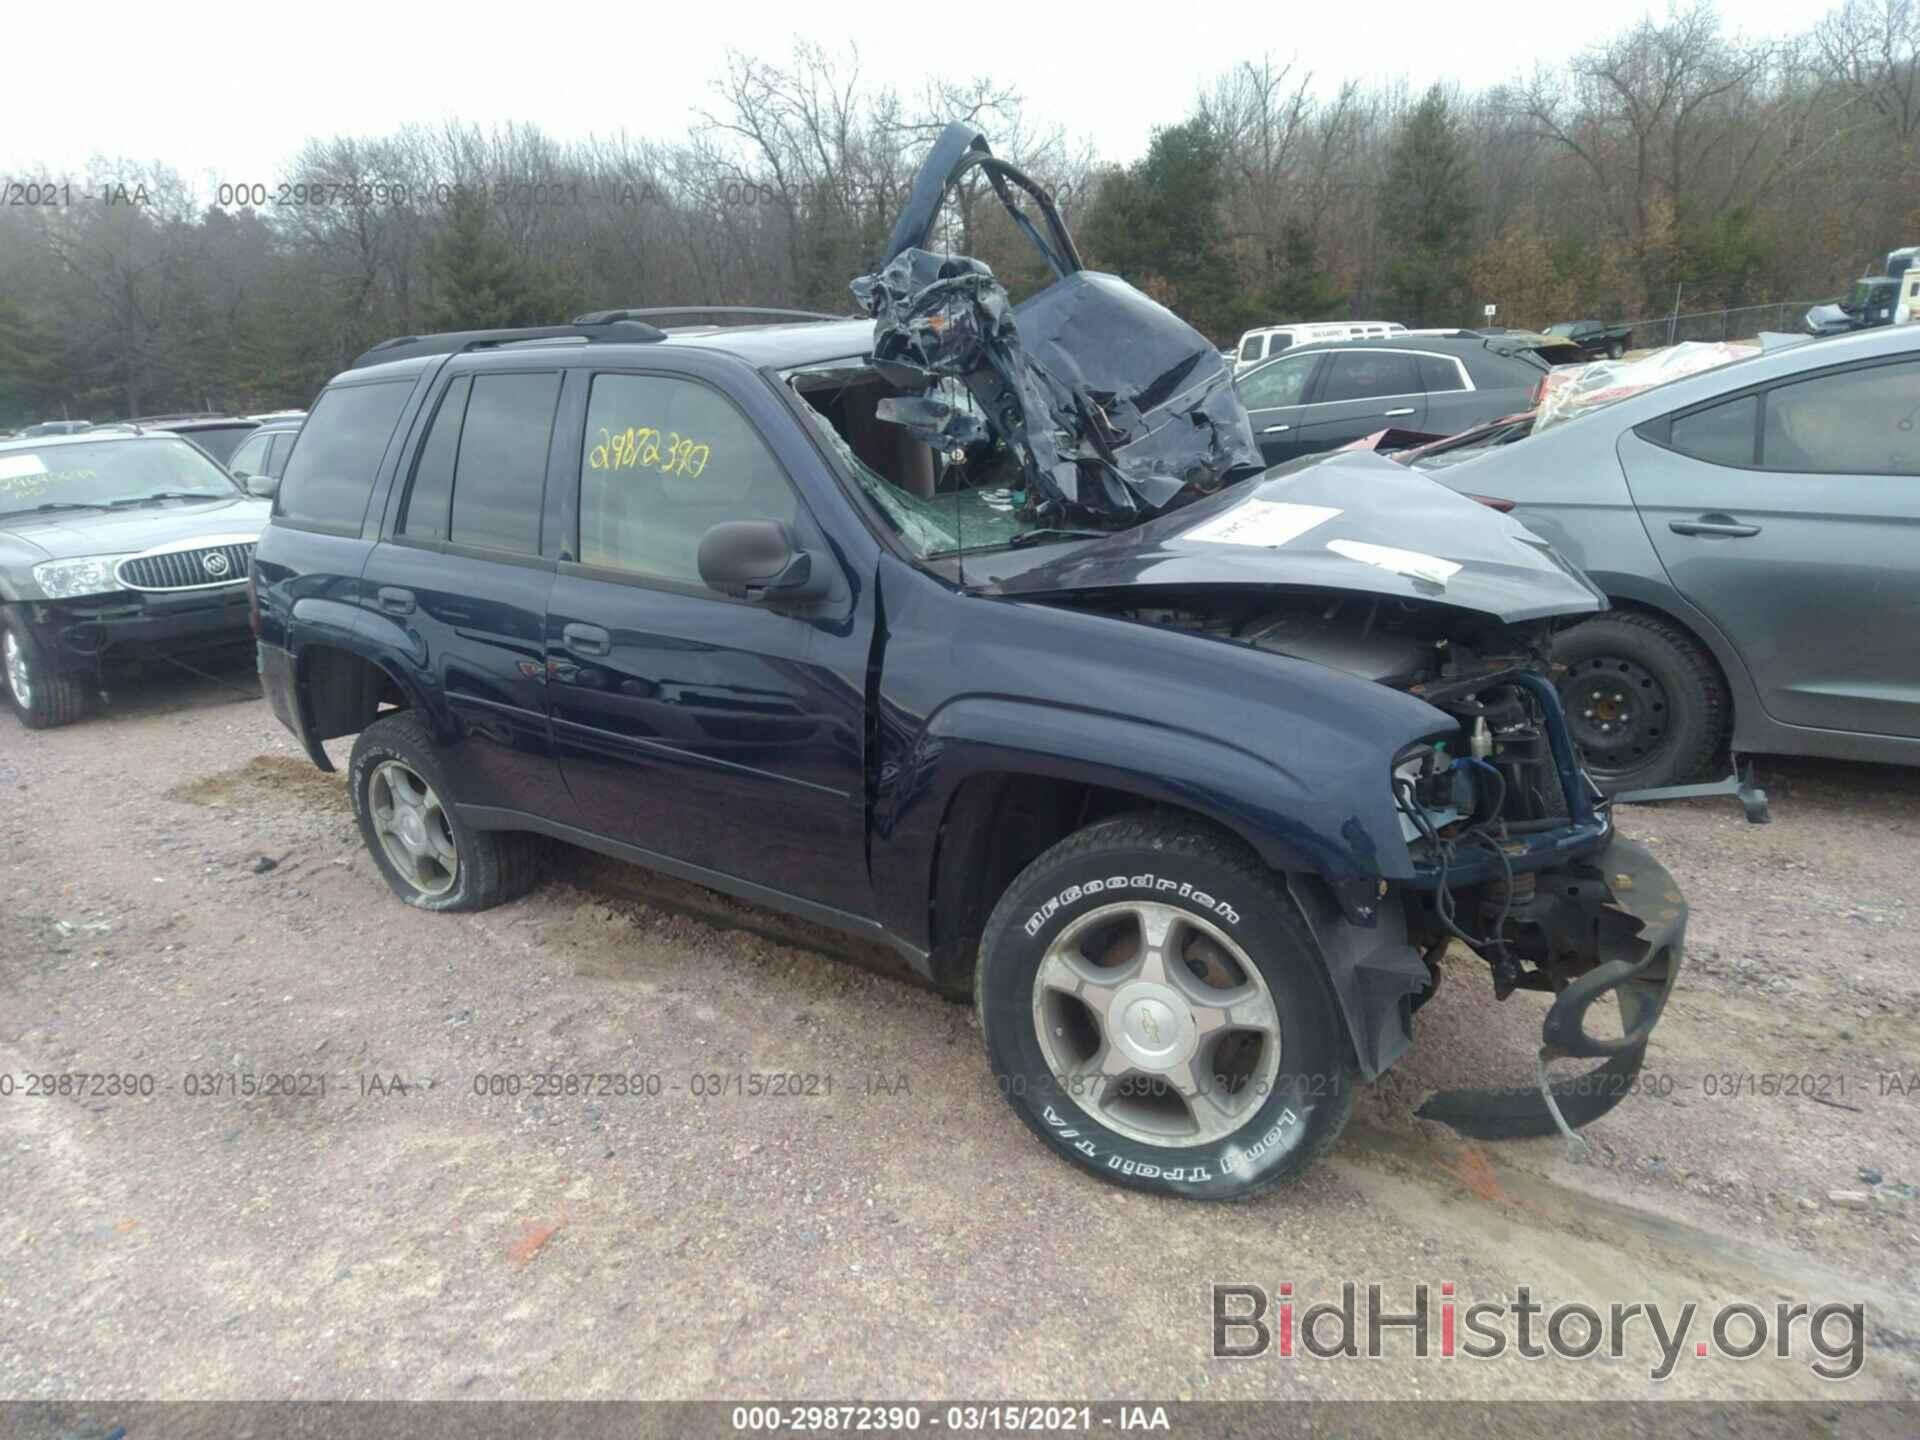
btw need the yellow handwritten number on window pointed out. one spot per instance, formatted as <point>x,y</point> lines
<point>641,445</point>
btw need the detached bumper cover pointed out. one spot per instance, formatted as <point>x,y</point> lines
<point>1625,904</point>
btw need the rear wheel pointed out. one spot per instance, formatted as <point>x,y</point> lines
<point>1646,703</point>
<point>429,855</point>
<point>1155,1011</point>
<point>41,696</point>
<point>1615,349</point>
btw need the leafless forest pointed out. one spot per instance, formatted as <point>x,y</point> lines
<point>1678,159</point>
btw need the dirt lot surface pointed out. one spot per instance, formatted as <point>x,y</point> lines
<point>188,897</point>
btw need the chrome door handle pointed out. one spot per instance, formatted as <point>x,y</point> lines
<point>1276,430</point>
<point>1404,410</point>
<point>395,601</point>
<point>1713,525</point>
<point>587,639</point>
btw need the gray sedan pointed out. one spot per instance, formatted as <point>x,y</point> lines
<point>1757,528</point>
<point>1320,397</point>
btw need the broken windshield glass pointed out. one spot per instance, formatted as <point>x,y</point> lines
<point>966,497</point>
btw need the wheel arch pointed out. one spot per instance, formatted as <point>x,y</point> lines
<point>342,691</point>
<point>1631,593</point>
<point>997,822</point>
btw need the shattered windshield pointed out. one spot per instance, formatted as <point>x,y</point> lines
<point>936,504</point>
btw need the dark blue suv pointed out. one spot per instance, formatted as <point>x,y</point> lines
<point>1189,784</point>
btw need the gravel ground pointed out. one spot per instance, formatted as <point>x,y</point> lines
<point>187,896</point>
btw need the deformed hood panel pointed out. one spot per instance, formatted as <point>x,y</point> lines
<point>1353,522</point>
<point>1115,406</point>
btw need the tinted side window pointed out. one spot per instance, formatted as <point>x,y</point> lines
<point>501,470</point>
<point>1284,382</point>
<point>1250,348</point>
<point>1369,375</point>
<point>282,450</point>
<point>1277,343</point>
<point>423,515</point>
<point>1437,374</point>
<point>1721,435</point>
<point>1856,422</point>
<point>250,458</point>
<point>331,474</point>
<point>665,460</point>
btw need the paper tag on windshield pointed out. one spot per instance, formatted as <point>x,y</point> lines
<point>1411,563</point>
<point>1261,522</point>
<point>14,466</point>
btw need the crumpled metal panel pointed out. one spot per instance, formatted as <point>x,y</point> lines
<point>1114,405</point>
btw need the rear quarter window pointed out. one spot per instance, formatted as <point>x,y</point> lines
<point>330,476</point>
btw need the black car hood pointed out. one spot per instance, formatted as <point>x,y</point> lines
<point>70,534</point>
<point>1352,522</point>
<point>1114,405</point>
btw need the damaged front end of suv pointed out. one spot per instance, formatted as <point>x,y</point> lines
<point>1093,445</point>
<point>1483,833</point>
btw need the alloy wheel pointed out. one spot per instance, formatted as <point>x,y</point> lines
<point>413,828</point>
<point>1157,1024</point>
<point>19,677</point>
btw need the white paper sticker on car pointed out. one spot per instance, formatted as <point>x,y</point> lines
<point>1411,563</point>
<point>1261,522</point>
<point>14,466</point>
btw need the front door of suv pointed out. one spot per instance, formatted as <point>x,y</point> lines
<point>721,733</point>
<point>1275,396</point>
<point>456,591</point>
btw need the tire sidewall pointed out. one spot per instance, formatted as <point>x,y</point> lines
<point>1310,1092</point>
<point>374,746</point>
<point>35,716</point>
<point>1688,707</point>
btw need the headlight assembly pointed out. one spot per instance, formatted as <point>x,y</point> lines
<point>66,579</point>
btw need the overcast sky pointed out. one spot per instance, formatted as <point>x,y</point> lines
<point>228,92</point>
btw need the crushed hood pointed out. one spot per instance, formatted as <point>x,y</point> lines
<point>1115,406</point>
<point>1351,521</point>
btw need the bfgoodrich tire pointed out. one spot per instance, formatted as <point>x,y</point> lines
<point>429,856</point>
<point>1155,1010</point>
<point>1646,703</point>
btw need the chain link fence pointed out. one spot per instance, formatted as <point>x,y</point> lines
<point>1744,323</point>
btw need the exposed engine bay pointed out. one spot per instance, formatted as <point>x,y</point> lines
<point>1502,828</point>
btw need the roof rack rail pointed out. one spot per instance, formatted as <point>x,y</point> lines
<point>657,312</point>
<point>613,327</point>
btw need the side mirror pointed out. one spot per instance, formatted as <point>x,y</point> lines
<point>262,487</point>
<point>757,560</point>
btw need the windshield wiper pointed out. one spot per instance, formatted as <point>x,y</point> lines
<point>57,505</point>
<point>159,495</point>
<point>1040,536</point>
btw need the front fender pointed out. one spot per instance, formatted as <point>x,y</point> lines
<point>1317,802</point>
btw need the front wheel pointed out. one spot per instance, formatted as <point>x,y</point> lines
<point>42,697</point>
<point>1155,1010</point>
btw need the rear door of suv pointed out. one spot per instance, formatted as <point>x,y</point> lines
<point>1362,390</point>
<point>725,734</point>
<point>455,592</point>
